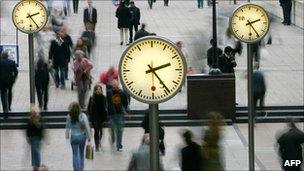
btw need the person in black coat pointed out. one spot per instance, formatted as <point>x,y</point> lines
<point>226,61</point>
<point>191,159</point>
<point>8,75</point>
<point>67,40</point>
<point>42,79</point>
<point>210,59</point>
<point>90,15</point>
<point>145,126</point>
<point>259,87</point>
<point>75,6</point>
<point>286,6</point>
<point>135,18</point>
<point>97,111</point>
<point>124,22</point>
<point>290,146</point>
<point>59,56</point>
<point>142,32</point>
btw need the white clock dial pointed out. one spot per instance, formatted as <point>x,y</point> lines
<point>29,16</point>
<point>152,70</point>
<point>249,23</point>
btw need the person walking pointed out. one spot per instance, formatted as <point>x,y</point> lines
<point>290,146</point>
<point>78,130</point>
<point>259,87</point>
<point>107,78</point>
<point>82,76</point>
<point>67,40</point>
<point>90,15</point>
<point>286,6</point>
<point>117,107</point>
<point>124,16</point>
<point>211,58</point>
<point>59,55</point>
<point>81,46</point>
<point>75,6</point>
<point>226,61</point>
<point>200,3</point>
<point>97,110</point>
<point>191,158</point>
<point>166,3</point>
<point>135,18</point>
<point>8,76</point>
<point>42,79</point>
<point>142,32</point>
<point>34,135</point>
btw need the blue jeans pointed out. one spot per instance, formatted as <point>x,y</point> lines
<point>60,78</point>
<point>200,3</point>
<point>78,143</point>
<point>117,123</point>
<point>35,151</point>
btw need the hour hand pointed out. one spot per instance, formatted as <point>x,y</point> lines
<point>158,68</point>
<point>249,23</point>
<point>32,15</point>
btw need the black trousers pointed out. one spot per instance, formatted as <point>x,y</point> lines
<point>258,96</point>
<point>286,13</point>
<point>43,96</point>
<point>131,32</point>
<point>166,2</point>
<point>75,6</point>
<point>6,97</point>
<point>97,133</point>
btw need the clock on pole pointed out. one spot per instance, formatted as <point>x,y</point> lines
<point>250,23</point>
<point>30,16</point>
<point>152,70</point>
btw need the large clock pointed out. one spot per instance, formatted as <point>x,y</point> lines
<point>249,23</point>
<point>152,69</point>
<point>29,16</point>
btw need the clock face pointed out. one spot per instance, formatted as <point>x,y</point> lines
<point>152,70</point>
<point>29,16</point>
<point>249,23</point>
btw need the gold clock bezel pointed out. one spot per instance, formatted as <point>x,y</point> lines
<point>152,101</point>
<point>249,41</point>
<point>25,30</point>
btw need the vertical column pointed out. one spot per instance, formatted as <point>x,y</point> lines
<point>154,137</point>
<point>31,67</point>
<point>250,107</point>
<point>214,35</point>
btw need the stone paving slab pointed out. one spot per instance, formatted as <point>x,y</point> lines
<point>282,62</point>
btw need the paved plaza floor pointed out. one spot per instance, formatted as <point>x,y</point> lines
<point>57,154</point>
<point>282,62</point>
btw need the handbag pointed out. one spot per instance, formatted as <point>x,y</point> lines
<point>89,152</point>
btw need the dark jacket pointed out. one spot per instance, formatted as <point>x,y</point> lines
<point>290,144</point>
<point>210,59</point>
<point>59,53</point>
<point>191,157</point>
<point>117,102</point>
<point>259,85</point>
<point>124,16</point>
<point>142,33</point>
<point>34,131</point>
<point>8,72</point>
<point>42,76</point>
<point>135,15</point>
<point>86,17</point>
<point>285,2</point>
<point>97,109</point>
<point>90,35</point>
<point>225,64</point>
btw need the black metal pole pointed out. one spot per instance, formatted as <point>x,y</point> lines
<point>154,137</point>
<point>31,67</point>
<point>214,35</point>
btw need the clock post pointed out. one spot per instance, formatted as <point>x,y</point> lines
<point>154,137</point>
<point>32,67</point>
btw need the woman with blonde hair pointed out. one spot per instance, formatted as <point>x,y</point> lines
<point>78,130</point>
<point>34,134</point>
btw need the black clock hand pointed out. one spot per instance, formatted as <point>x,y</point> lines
<point>32,15</point>
<point>158,68</point>
<point>28,15</point>
<point>253,21</point>
<point>161,81</point>
<point>152,74</point>
<point>253,28</point>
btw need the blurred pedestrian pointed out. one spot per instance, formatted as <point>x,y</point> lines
<point>82,76</point>
<point>211,151</point>
<point>69,43</point>
<point>290,147</point>
<point>90,15</point>
<point>97,111</point>
<point>59,55</point>
<point>228,39</point>
<point>124,16</point>
<point>117,106</point>
<point>78,130</point>
<point>88,36</point>
<point>180,46</point>
<point>107,78</point>
<point>259,87</point>
<point>200,3</point>
<point>34,134</point>
<point>226,61</point>
<point>43,41</point>
<point>142,32</point>
<point>66,7</point>
<point>140,160</point>
<point>211,58</point>
<point>57,19</point>
<point>49,4</point>
<point>286,6</point>
<point>256,50</point>
<point>135,18</point>
<point>166,3</point>
<point>81,46</point>
<point>145,125</point>
<point>191,159</point>
<point>8,76</point>
<point>42,79</point>
<point>75,6</point>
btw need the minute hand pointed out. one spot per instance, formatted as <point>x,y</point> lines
<point>158,68</point>
<point>253,28</point>
<point>161,81</point>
